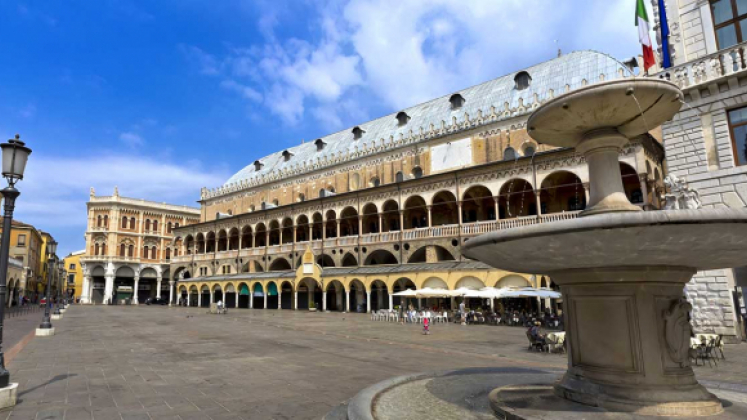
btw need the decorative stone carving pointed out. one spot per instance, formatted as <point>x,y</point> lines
<point>677,331</point>
<point>680,196</point>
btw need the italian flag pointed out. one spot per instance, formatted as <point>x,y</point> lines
<point>641,21</point>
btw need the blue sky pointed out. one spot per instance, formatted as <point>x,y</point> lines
<point>164,97</point>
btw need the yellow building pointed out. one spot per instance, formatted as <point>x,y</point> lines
<point>27,246</point>
<point>347,221</point>
<point>74,274</point>
<point>16,281</point>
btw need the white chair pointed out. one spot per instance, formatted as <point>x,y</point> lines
<point>373,315</point>
<point>394,315</point>
<point>438,318</point>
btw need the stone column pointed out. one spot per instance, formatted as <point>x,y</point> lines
<point>324,301</point>
<point>538,201</point>
<point>158,285</point>
<point>368,302</point>
<point>171,292</point>
<point>586,191</point>
<point>381,223</point>
<point>265,301</point>
<point>236,303</point>
<point>280,298</point>
<point>109,288</point>
<point>85,295</point>
<point>391,301</point>
<point>459,210</point>
<point>212,296</point>
<point>347,301</point>
<point>199,298</point>
<point>428,207</point>
<point>643,178</point>
<point>251,298</point>
<point>254,239</point>
<point>311,231</point>
<point>497,208</point>
<point>135,290</point>
<point>339,234</point>
<point>401,220</point>
<point>295,301</point>
<point>360,225</point>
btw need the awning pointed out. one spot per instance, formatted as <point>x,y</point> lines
<point>258,290</point>
<point>244,290</point>
<point>272,290</point>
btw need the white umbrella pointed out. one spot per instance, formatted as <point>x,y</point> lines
<point>543,293</point>
<point>427,292</point>
<point>486,293</point>
<point>406,293</point>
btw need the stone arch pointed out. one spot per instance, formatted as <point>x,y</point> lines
<point>210,242</point>
<point>631,183</point>
<point>222,240</point>
<point>349,260</point>
<point>478,204</point>
<point>512,280</point>
<point>330,226</point>
<point>125,271</point>
<point>324,260</point>
<point>370,218</point>
<point>335,296</point>
<point>260,236</point>
<point>415,213</point>
<point>200,240</point>
<point>272,294</point>
<point>470,282</point>
<point>562,191</point>
<point>430,253</point>
<point>357,295</point>
<point>517,199</point>
<point>280,264</point>
<point>380,257</point>
<point>302,231</point>
<point>317,226</point>
<point>244,295</point>
<point>286,295</point>
<point>435,283</point>
<point>349,222</point>
<point>379,295</point>
<point>309,291</point>
<point>390,216</point>
<point>287,231</point>
<point>246,237</point>
<point>233,239</point>
<point>274,228</point>
<point>444,209</point>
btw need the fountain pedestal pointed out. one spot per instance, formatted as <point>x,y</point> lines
<point>629,341</point>
<point>621,270</point>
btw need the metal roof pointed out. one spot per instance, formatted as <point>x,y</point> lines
<point>571,69</point>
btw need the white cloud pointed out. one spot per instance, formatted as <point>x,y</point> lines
<point>206,63</point>
<point>55,189</point>
<point>245,91</point>
<point>401,52</point>
<point>131,139</point>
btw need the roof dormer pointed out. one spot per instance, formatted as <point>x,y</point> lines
<point>402,118</point>
<point>522,80</point>
<point>357,133</point>
<point>457,101</point>
<point>320,145</point>
<point>287,155</point>
<point>258,165</point>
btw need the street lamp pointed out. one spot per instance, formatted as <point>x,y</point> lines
<point>15,156</point>
<point>57,270</point>
<point>51,253</point>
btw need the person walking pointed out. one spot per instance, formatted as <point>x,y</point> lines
<point>463,313</point>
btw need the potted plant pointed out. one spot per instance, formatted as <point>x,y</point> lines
<point>312,306</point>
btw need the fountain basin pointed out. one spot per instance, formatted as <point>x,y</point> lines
<point>703,239</point>
<point>622,276</point>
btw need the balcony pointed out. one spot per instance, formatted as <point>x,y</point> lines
<point>443,231</point>
<point>708,68</point>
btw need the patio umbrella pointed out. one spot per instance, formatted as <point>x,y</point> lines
<point>428,292</point>
<point>542,293</point>
<point>406,293</point>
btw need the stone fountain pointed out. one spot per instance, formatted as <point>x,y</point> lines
<point>621,270</point>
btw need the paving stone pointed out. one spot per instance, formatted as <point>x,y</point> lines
<point>111,363</point>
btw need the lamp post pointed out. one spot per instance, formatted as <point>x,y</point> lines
<point>15,156</point>
<point>57,294</point>
<point>46,321</point>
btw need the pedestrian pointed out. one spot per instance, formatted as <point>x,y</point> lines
<point>426,326</point>
<point>462,313</point>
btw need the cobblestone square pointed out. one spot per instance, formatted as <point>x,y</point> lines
<point>181,363</point>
